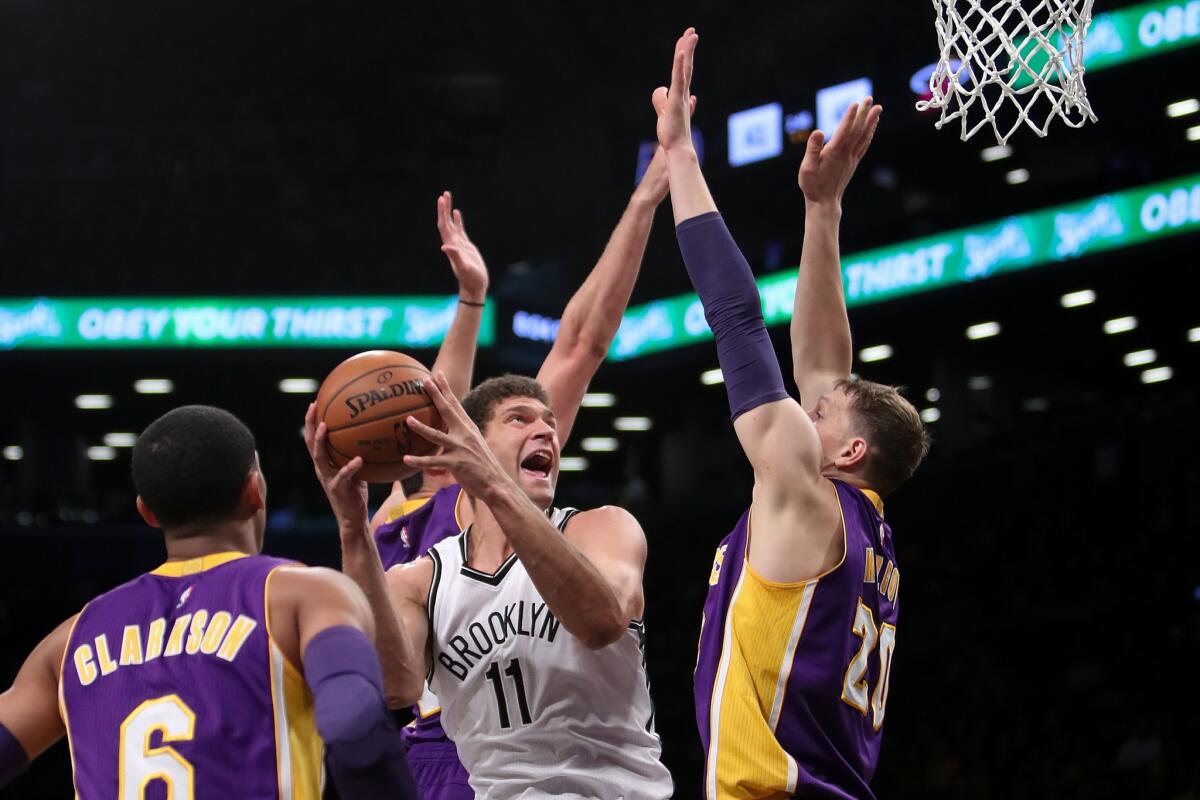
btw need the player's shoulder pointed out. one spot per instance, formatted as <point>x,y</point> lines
<point>298,578</point>
<point>610,523</point>
<point>413,579</point>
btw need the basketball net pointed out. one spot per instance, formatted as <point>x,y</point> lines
<point>1005,66</point>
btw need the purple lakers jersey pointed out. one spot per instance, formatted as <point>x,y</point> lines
<point>171,686</point>
<point>420,526</point>
<point>792,678</point>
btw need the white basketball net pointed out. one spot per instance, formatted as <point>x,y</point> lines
<point>1001,59</point>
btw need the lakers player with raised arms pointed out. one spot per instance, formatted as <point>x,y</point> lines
<point>527,624</point>
<point>800,621</point>
<point>223,673</point>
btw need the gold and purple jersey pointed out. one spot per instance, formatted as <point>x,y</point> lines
<point>791,679</point>
<point>172,687</point>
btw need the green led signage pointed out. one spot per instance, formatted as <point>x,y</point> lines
<point>146,322</point>
<point>970,254</point>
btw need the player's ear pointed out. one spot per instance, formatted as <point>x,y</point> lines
<point>853,455</point>
<point>147,514</point>
<point>254,492</point>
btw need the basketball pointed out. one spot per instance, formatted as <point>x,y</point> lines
<point>365,401</point>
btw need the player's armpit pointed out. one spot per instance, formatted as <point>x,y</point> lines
<point>29,709</point>
<point>404,675</point>
<point>613,541</point>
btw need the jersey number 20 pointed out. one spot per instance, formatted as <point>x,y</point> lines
<point>142,764</point>
<point>854,689</point>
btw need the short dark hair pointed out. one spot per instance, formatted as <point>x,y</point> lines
<point>190,465</point>
<point>480,403</point>
<point>896,436</point>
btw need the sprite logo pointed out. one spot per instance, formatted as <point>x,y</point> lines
<point>985,251</point>
<point>40,319</point>
<point>1074,232</point>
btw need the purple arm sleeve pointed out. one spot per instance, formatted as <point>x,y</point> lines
<point>13,760</point>
<point>363,747</point>
<point>734,312</point>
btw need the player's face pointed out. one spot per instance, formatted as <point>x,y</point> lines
<point>832,419</point>
<point>523,436</point>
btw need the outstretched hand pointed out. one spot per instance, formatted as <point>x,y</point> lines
<point>675,105</point>
<point>465,258</point>
<point>827,169</point>
<point>345,492</point>
<point>464,452</point>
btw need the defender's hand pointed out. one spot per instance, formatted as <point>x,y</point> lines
<point>674,105</point>
<point>827,170</point>
<point>465,258</point>
<point>345,492</point>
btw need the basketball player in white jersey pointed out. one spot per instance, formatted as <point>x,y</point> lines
<point>528,624</point>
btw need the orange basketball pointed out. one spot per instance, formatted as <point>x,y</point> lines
<point>365,401</point>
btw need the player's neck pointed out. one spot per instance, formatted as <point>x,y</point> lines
<point>488,547</point>
<point>184,544</point>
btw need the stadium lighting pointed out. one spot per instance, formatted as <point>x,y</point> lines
<point>572,464</point>
<point>979,383</point>
<point>298,386</point>
<point>1140,358</point>
<point>633,423</point>
<point>101,453</point>
<point>92,402</point>
<point>1194,335</point>
<point>153,386</point>
<point>14,452</point>
<point>1035,405</point>
<point>599,444</point>
<point>878,352</point>
<point>120,439</point>
<point>1181,108</point>
<point>995,153</point>
<point>711,377</point>
<point>598,400</point>
<point>1017,176</point>
<point>983,330</point>
<point>1193,133</point>
<point>1083,297</point>
<point>933,395</point>
<point>1120,325</point>
<point>1157,375</point>
<point>930,415</point>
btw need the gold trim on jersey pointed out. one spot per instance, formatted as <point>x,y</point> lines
<point>875,499</point>
<point>193,566</point>
<point>462,493</point>
<point>407,507</point>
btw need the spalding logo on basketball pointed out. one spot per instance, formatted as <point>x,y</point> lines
<point>365,402</point>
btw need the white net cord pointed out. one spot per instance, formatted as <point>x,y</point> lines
<point>1010,63</point>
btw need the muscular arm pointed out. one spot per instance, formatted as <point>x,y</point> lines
<point>456,356</point>
<point>593,314</point>
<point>821,345</point>
<point>29,709</point>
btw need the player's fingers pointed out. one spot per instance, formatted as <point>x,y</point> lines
<point>346,474</point>
<point>425,462</point>
<point>872,124</point>
<point>692,106</point>
<point>310,425</point>
<point>458,222</point>
<point>441,214</point>
<point>440,438</point>
<point>658,99</point>
<point>681,64</point>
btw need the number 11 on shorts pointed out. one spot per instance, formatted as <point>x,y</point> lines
<point>518,680</point>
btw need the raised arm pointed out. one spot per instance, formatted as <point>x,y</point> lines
<point>593,314</point>
<point>456,357</point>
<point>29,717</point>
<point>402,659</point>
<point>776,434</point>
<point>821,346</point>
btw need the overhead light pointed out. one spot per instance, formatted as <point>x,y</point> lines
<point>153,386</point>
<point>101,453</point>
<point>1035,405</point>
<point>1157,375</point>
<point>878,352</point>
<point>930,415</point>
<point>599,444</point>
<point>1017,176</point>
<point>1120,325</point>
<point>996,152</point>
<point>979,383</point>
<point>711,377</point>
<point>1193,133</point>
<point>1194,335</point>
<point>92,402</point>
<point>933,395</point>
<point>1181,108</point>
<point>120,439</point>
<point>14,452</point>
<point>1076,299</point>
<point>598,400</point>
<point>1140,358</point>
<point>633,423</point>
<point>298,386</point>
<point>983,330</point>
<point>572,464</point>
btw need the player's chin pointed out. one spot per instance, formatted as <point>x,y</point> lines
<point>538,487</point>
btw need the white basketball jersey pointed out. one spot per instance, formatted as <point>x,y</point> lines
<point>534,713</point>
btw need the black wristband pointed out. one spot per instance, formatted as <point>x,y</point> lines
<point>472,305</point>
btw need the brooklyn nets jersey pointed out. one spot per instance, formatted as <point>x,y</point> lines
<point>533,712</point>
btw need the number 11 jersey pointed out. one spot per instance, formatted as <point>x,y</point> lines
<point>532,710</point>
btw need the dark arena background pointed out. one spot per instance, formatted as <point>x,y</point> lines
<point>286,157</point>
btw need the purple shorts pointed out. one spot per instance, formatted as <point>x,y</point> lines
<point>438,773</point>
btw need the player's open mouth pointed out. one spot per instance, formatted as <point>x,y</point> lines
<point>538,463</point>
